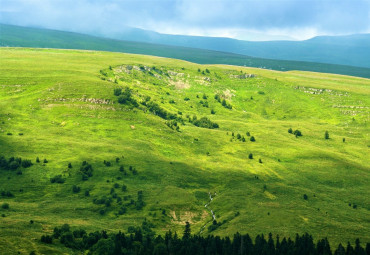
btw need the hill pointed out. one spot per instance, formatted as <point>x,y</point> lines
<point>353,50</point>
<point>123,139</point>
<point>14,36</point>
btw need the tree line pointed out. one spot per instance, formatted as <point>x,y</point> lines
<point>142,240</point>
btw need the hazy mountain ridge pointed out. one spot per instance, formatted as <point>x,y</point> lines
<point>15,36</point>
<point>342,50</point>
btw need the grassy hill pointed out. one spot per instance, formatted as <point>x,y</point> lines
<point>59,105</point>
<point>15,36</point>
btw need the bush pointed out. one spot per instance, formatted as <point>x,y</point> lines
<point>76,189</point>
<point>26,163</point>
<point>250,156</point>
<point>305,197</point>
<point>6,194</point>
<point>290,131</point>
<point>46,239</point>
<point>86,170</point>
<point>5,206</point>
<point>69,165</point>
<point>204,122</point>
<point>327,135</point>
<point>297,133</point>
<point>117,92</point>
<point>45,161</point>
<point>252,139</point>
<point>57,179</point>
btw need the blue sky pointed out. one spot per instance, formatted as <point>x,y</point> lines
<point>248,19</point>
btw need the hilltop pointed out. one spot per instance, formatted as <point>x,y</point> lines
<point>124,138</point>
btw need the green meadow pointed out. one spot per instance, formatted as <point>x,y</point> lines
<point>59,105</point>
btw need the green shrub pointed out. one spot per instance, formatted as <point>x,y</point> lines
<point>5,206</point>
<point>57,179</point>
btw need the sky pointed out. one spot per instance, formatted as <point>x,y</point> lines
<point>246,20</point>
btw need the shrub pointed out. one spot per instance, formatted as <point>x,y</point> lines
<point>57,179</point>
<point>26,163</point>
<point>5,206</point>
<point>117,92</point>
<point>37,160</point>
<point>213,111</point>
<point>260,160</point>
<point>290,131</point>
<point>6,194</point>
<point>86,170</point>
<point>45,161</point>
<point>122,210</point>
<point>46,239</point>
<point>297,133</point>
<point>124,188</point>
<point>204,122</point>
<point>305,197</point>
<point>252,139</point>
<point>76,189</point>
<point>326,135</point>
<point>250,156</point>
<point>87,193</point>
<point>69,165</point>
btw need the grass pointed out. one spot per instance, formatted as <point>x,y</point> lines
<point>55,98</point>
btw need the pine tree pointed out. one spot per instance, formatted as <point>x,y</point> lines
<point>187,231</point>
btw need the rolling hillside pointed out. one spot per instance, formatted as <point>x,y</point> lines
<point>14,36</point>
<point>123,139</point>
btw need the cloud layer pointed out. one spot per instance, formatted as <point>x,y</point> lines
<point>295,18</point>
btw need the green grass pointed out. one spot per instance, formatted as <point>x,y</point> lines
<point>44,95</point>
<point>15,36</point>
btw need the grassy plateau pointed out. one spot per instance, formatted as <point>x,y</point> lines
<point>59,105</point>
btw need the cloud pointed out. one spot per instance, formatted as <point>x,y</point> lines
<point>219,17</point>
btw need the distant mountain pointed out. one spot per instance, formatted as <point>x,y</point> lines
<point>342,50</point>
<point>15,36</point>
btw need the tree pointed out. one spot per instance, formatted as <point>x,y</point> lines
<point>297,133</point>
<point>326,135</point>
<point>250,156</point>
<point>252,139</point>
<point>290,131</point>
<point>187,231</point>
<point>305,197</point>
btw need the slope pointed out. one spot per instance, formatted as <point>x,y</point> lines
<point>59,105</point>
